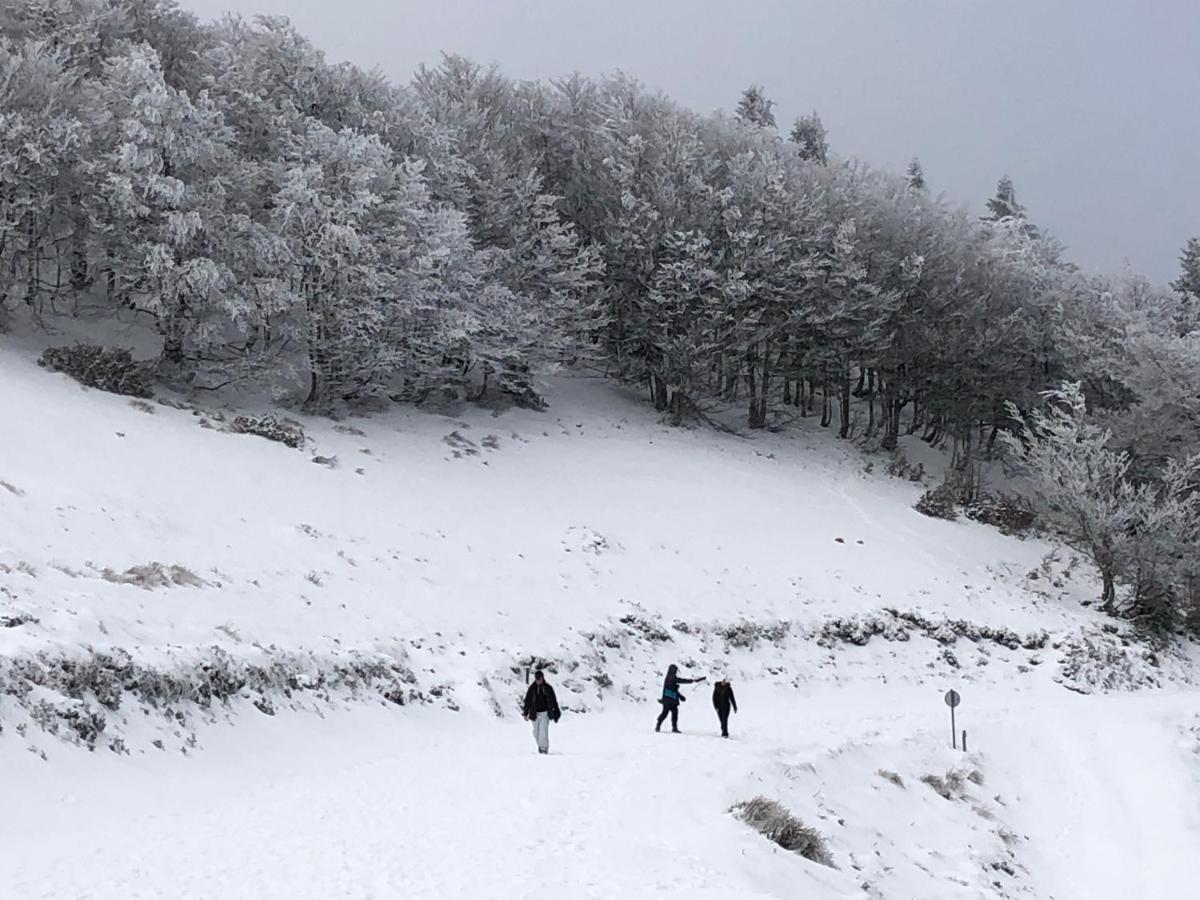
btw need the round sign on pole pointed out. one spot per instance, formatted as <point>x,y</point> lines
<point>952,699</point>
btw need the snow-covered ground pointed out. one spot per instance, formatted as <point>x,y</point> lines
<point>243,695</point>
<point>1080,798</point>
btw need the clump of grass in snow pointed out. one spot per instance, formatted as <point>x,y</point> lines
<point>953,785</point>
<point>888,775</point>
<point>155,575</point>
<point>770,819</point>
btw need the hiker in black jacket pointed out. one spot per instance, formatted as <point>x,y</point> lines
<point>541,708</point>
<point>723,699</point>
<point>671,697</point>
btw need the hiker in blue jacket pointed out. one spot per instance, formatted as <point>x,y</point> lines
<point>671,697</point>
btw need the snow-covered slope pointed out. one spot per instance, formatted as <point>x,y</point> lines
<point>362,610</point>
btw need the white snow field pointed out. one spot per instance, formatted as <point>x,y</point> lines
<point>226,671</point>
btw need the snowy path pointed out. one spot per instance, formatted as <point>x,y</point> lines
<point>428,804</point>
<point>462,810</point>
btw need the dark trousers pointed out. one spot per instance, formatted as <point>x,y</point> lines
<point>723,715</point>
<point>669,708</point>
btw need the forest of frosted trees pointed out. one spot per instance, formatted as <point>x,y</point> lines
<point>341,241</point>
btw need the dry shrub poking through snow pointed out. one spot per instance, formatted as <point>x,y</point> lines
<point>281,430</point>
<point>953,785</point>
<point>112,370</point>
<point>770,819</point>
<point>1011,514</point>
<point>939,503</point>
<point>155,575</point>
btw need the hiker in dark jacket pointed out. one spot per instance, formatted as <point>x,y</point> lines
<point>541,708</point>
<point>671,697</point>
<point>723,699</point>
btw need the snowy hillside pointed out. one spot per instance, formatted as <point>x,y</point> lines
<point>299,669</point>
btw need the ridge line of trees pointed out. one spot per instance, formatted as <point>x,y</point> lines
<point>312,227</point>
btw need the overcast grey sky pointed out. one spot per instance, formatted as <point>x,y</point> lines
<point>1092,106</point>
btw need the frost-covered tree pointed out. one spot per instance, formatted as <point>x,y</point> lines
<point>1187,285</point>
<point>847,318</point>
<point>41,137</point>
<point>1004,207</point>
<point>809,134</point>
<point>281,218</point>
<point>684,301</point>
<point>1083,485</point>
<point>1004,204</point>
<point>162,200</point>
<point>362,262</point>
<point>916,175</point>
<point>754,108</point>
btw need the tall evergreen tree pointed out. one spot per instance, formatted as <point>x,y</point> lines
<point>916,175</point>
<point>1004,207</point>
<point>1004,204</point>
<point>809,134</point>
<point>1187,285</point>
<point>755,109</point>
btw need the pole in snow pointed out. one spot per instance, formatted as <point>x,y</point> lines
<point>952,700</point>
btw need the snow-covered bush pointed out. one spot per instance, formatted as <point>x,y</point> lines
<point>108,369</point>
<point>772,820</point>
<point>747,634</point>
<point>1011,514</point>
<point>290,434</point>
<point>938,503</point>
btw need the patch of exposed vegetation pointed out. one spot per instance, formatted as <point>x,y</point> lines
<point>283,431</point>
<point>106,369</point>
<point>773,821</point>
<point>155,575</point>
<point>75,697</point>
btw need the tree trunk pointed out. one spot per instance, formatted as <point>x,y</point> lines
<point>891,427</point>
<point>758,387</point>
<point>871,407</point>
<point>677,407</point>
<point>1109,595</point>
<point>661,399</point>
<point>844,431</point>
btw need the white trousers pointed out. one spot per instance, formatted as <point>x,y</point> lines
<point>541,731</point>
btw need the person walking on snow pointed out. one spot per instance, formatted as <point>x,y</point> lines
<point>541,708</point>
<point>723,699</point>
<point>671,697</point>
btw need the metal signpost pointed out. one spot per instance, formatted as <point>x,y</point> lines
<point>952,700</point>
